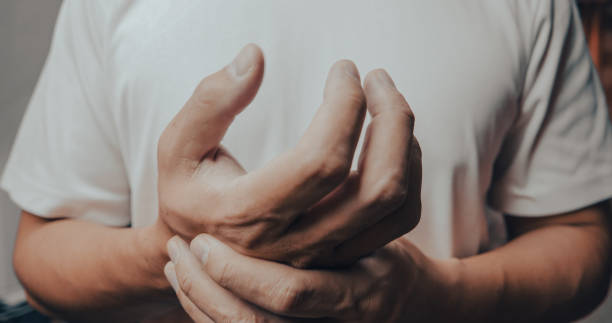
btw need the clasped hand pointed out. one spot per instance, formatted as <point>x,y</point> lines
<point>305,208</point>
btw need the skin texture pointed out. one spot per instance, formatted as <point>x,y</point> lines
<point>555,267</point>
<point>306,207</point>
<point>72,268</point>
<point>555,270</point>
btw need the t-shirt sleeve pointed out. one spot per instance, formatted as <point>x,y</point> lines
<point>66,161</point>
<point>558,155</point>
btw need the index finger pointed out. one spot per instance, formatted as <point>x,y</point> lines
<point>387,203</point>
<point>194,286</point>
<point>276,287</point>
<point>388,177</point>
<point>322,159</point>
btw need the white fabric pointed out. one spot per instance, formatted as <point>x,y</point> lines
<point>509,111</point>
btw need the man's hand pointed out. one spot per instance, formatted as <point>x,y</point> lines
<point>394,284</point>
<point>556,270</point>
<point>305,207</point>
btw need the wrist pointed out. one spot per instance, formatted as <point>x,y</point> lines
<point>151,242</point>
<point>439,298</point>
<point>433,291</point>
<point>465,293</point>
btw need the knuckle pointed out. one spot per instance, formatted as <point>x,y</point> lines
<point>331,169</point>
<point>251,239</point>
<point>389,192</point>
<point>186,283</point>
<point>302,262</point>
<point>206,92</point>
<point>265,229</point>
<point>289,295</point>
<point>211,95</point>
<point>398,110</point>
<point>225,274</point>
<point>250,231</point>
<point>403,115</point>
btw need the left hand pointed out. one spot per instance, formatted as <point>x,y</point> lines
<point>395,283</point>
<point>306,207</point>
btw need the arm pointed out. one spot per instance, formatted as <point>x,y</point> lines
<point>68,267</point>
<point>71,268</point>
<point>555,268</point>
<point>277,212</point>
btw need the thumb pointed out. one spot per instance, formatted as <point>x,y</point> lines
<point>200,125</point>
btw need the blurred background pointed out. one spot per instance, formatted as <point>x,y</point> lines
<point>26,28</point>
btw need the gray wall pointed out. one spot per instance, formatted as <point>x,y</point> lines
<point>25,31</point>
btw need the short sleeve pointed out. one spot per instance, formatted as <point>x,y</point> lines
<point>558,155</point>
<point>65,161</point>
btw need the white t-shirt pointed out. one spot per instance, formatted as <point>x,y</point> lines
<point>509,111</point>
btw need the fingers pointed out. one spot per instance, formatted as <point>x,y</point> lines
<point>194,286</point>
<point>386,156</point>
<point>200,125</point>
<point>393,225</point>
<point>322,159</point>
<point>388,176</point>
<point>190,308</point>
<point>389,171</point>
<point>386,159</point>
<point>275,287</point>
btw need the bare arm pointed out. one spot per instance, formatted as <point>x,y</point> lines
<point>556,268</point>
<point>301,208</point>
<point>86,271</point>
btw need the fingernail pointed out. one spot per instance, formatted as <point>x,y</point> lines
<point>173,250</point>
<point>171,275</point>
<point>200,248</point>
<point>383,78</point>
<point>244,61</point>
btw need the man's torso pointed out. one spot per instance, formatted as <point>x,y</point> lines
<point>460,66</point>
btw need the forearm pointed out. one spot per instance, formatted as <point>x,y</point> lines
<point>554,273</point>
<point>82,270</point>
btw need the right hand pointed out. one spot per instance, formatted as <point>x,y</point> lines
<point>306,207</point>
